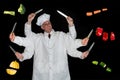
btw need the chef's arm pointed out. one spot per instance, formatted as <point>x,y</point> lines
<point>81,42</point>
<point>72,50</point>
<point>71,26</point>
<point>27,53</point>
<point>27,29</point>
<point>78,54</point>
<point>21,41</point>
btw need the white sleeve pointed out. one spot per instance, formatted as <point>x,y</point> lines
<point>78,43</point>
<point>21,41</point>
<point>28,44</point>
<point>71,47</point>
<point>28,31</point>
<point>28,52</point>
<point>72,32</point>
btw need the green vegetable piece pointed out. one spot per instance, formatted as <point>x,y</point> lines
<point>95,62</point>
<point>9,12</point>
<point>102,64</point>
<point>108,69</point>
<point>21,9</point>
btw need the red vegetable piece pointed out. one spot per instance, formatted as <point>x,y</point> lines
<point>112,36</point>
<point>105,36</point>
<point>99,31</point>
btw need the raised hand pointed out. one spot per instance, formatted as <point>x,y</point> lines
<point>70,21</point>
<point>31,17</point>
<point>12,36</point>
<point>85,41</point>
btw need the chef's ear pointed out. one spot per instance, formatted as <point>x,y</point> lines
<point>42,27</point>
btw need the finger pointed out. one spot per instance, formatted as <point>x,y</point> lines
<point>10,36</point>
<point>13,34</point>
<point>86,54</point>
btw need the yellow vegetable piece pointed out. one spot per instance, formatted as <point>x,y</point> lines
<point>14,64</point>
<point>11,71</point>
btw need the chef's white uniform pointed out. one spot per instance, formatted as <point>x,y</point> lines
<point>50,55</point>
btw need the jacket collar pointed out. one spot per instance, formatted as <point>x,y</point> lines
<point>52,32</point>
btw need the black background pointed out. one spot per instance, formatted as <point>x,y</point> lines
<point>106,51</point>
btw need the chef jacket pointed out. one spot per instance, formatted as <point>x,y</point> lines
<point>50,55</point>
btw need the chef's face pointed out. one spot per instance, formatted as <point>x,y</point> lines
<point>46,26</point>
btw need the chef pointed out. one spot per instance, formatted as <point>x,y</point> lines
<point>50,53</point>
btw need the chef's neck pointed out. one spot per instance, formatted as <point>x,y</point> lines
<point>49,31</point>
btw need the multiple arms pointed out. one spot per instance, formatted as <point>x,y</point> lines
<point>72,50</point>
<point>27,42</point>
<point>23,41</point>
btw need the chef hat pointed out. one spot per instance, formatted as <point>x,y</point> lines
<point>42,18</point>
